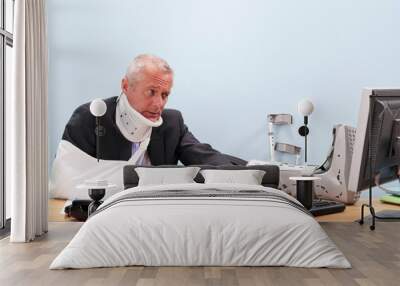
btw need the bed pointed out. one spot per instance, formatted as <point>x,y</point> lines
<point>201,224</point>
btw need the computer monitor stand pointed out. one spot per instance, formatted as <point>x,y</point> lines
<point>391,215</point>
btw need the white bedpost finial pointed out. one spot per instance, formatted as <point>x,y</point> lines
<point>98,107</point>
<point>305,107</point>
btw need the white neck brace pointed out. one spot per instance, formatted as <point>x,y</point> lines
<point>133,125</point>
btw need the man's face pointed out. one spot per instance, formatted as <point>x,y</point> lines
<point>149,94</point>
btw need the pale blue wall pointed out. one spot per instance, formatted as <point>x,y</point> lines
<point>235,61</point>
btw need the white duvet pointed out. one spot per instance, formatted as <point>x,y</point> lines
<point>200,231</point>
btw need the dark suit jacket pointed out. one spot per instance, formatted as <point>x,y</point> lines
<point>170,142</point>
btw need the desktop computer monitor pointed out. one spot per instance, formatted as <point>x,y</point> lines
<point>376,156</point>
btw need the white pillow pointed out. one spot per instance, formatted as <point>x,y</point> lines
<point>248,177</point>
<point>163,176</point>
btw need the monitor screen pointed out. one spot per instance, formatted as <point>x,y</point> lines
<point>376,136</point>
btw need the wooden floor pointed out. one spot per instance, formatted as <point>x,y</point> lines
<point>56,213</point>
<point>374,255</point>
<point>351,213</point>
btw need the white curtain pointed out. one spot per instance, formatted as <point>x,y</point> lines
<point>26,128</point>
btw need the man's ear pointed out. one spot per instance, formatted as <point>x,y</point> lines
<point>124,84</point>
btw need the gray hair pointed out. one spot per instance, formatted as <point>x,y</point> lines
<point>144,61</point>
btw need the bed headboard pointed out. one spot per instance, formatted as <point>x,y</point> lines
<point>270,179</point>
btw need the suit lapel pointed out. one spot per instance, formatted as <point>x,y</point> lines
<point>155,149</point>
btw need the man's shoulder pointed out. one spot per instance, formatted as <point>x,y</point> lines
<point>172,120</point>
<point>171,114</point>
<point>85,108</point>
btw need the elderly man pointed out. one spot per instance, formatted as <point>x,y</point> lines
<point>138,128</point>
